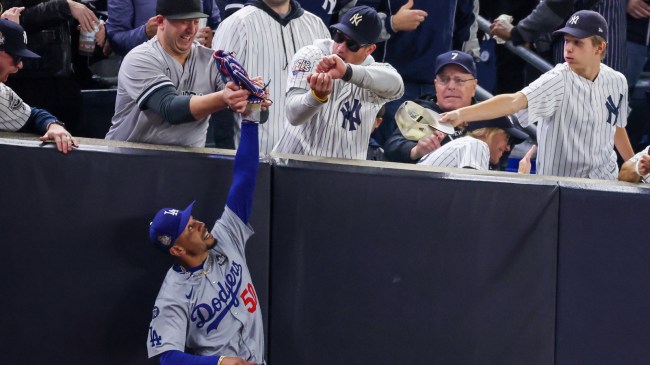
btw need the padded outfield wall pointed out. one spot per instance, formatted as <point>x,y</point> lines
<point>353,262</point>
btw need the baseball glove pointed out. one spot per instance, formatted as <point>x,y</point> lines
<point>231,70</point>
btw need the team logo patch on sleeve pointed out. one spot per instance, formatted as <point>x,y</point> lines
<point>301,65</point>
<point>14,101</point>
<point>155,312</point>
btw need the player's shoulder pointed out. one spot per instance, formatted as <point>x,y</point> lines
<point>610,73</point>
<point>144,53</point>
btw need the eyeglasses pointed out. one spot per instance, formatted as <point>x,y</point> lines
<point>444,80</point>
<point>352,45</point>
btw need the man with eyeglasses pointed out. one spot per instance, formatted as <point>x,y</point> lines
<point>17,115</point>
<point>455,85</point>
<point>335,90</point>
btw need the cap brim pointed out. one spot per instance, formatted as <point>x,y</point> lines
<point>416,122</point>
<point>194,15</point>
<point>350,33</point>
<point>578,33</point>
<point>185,217</point>
<point>26,54</point>
<point>455,63</point>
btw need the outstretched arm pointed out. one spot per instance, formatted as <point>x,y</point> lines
<point>498,106</point>
<point>240,197</point>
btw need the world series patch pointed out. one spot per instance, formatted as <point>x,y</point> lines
<point>301,65</point>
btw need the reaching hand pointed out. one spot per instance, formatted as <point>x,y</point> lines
<point>524,164</point>
<point>407,18</point>
<point>13,14</point>
<point>236,98</point>
<point>638,9</point>
<point>64,140</point>
<point>452,117</point>
<point>84,16</point>
<point>501,29</point>
<point>321,84</point>
<point>427,144</point>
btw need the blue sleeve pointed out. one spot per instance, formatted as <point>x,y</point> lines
<point>173,108</point>
<point>214,17</point>
<point>119,27</point>
<point>247,159</point>
<point>41,118</point>
<point>175,357</point>
<point>463,22</point>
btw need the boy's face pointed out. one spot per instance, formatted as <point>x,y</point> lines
<point>581,52</point>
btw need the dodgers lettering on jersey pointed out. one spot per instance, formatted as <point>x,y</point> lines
<point>341,127</point>
<point>464,152</point>
<point>264,47</point>
<point>577,120</point>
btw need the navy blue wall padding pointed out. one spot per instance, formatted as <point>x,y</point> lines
<point>80,275</point>
<point>603,312</point>
<point>410,269</point>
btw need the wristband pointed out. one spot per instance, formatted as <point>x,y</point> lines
<point>322,100</point>
<point>220,360</point>
<point>348,73</point>
<point>636,167</point>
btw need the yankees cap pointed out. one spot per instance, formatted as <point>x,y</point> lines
<point>461,59</point>
<point>167,225</point>
<point>361,23</point>
<point>13,39</point>
<point>180,9</point>
<point>516,136</point>
<point>584,24</point>
<point>416,122</point>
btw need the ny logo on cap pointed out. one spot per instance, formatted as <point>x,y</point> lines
<point>356,19</point>
<point>25,37</point>
<point>600,30</point>
<point>574,19</point>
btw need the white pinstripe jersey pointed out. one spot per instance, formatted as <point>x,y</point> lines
<point>637,157</point>
<point>264,48</point>
<point>463,152</point>
<point>341,127</point>
<point>577,120</point>
<point>146,69</point>
<point>14,113</point>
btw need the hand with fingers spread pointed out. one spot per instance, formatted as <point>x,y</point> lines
<point>13,14</point>
<point>407,18</point>
<point>427,144</point>
<point>321,85</point>
<point>638,9</point>
<point>524,164</point>
<point>83,15</point>
<point>63,139</point>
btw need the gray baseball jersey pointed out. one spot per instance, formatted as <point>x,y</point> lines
<point>464,152</point>
<point>341,127</point>
<point>214,311</point>
<point>645,178</point>
<point>148,68</point>
<point>577,119</point>
<point>14,113</point>
<point>264,47</point>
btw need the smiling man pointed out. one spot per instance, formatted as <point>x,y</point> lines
<point>168,87</point>
<point>580,106</point>
<point>207,304</point>
<point>335,89</point>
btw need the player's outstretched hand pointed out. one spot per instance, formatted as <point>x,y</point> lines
<point>235,361</point>
<point>333,65</point>
<point>321,83</point>
<point>236,98</point>
<point>452,117</point>
<point>63,139</point>
<point>427,144</point>
<point>525,164</point>
<point>407,18</point>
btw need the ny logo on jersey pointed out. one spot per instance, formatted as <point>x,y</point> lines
<point>351,115</point>
<point>574,19</point>
<point>329,3</point>
<point>613,109</point>
<point>356,19</point>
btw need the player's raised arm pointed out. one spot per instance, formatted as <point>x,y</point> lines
<point>498,106</point>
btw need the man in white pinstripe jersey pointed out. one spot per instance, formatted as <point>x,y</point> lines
<point>336,88</point>
<point>580,106</point>
<point>265,34</point>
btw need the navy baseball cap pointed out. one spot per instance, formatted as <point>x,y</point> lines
<point>361,23</point>
<point>180,9</point>
<point>13,39</point>
<point>167,225</point>
<point>584,24</point>
<point>459,58</point>
<point>516,136</point>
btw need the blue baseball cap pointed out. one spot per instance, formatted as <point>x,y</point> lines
<point>167,225</point>
<point>361,23</point>
<point>584,24</point>
<point>516,136</point>
<point>13,40</point>
<point>459,58</point>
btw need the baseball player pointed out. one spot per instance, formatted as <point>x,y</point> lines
<point>207,302</point>
<point>16,115</point>
<point>580,106</point>
<point>336,88</point>
<point>166,86</point>
<point>636,169</point>
<point>483,145</point>
<point>265,35</point>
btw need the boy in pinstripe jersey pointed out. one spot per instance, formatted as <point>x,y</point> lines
<point>335,90</point>
<point>580,106</point>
